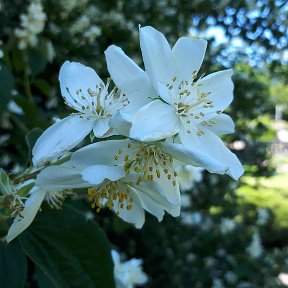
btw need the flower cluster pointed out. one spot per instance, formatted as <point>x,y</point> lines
<point>129,273</point>
<point>142,129</point>
<point>32,24</point>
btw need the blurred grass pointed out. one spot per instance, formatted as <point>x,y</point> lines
<point>271,193</point>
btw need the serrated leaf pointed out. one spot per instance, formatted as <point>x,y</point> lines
<point>70,250</point>
<point>13,266</point>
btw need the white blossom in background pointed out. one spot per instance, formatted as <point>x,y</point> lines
<point>188,175</point>
<point>191,105</point>
<point>69,5</point>
<point>50,51</point>
<point>227,225</point>
<point>185,198</point>
<point>255,248</point>
<point>92,33</point>
<point>263,216</point>
<point>128,274</point>
<point>283,278</point>
<point>80,25</point>
<point>15,108</point>
<point>193,219</point>
<point>230,277</point>
<point>217,283</point>
<point>31,24</point>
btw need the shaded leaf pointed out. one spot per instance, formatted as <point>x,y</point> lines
<point>71,251</point>
<point>13,266</point>
<point>7,85</point>
<point>37,62</point>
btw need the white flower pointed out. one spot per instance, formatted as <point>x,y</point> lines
<point>84,91</point>
<point>32,24</point>
<point>255,248</point>
<point>129,273</point>
<point>227,225</point>
<point>283,278</point>
<point>109,185</point>
<point>193,219</point>
<point>262,217</point>
<point>188,176</point>
<point>217,283</point>
<point>92,33</point>
<point>189,106</point>
<point>126,176</point>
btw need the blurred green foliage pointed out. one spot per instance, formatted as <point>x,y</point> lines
<point>175,254</point>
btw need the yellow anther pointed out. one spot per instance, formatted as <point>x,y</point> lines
<point>158,173</point>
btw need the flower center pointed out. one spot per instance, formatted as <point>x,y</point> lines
<point>56,199</point>
<point>111,194</point>
<point>150,163</point>
<point>98,102</point>
<point>191,102</point>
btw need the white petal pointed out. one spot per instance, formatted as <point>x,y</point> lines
<point>101,127</point>
<point>157,56</point>
<point>31,208</point>
<point>139,91</point>
<point>60,138</point>
<point>100,153</point>
<point>224,125</point>
<point>156,192</point>
<point>60,177</point>
<point>155,121</point>
<point>214,148</point>
<point>220,85</point>
<point>122,123</point>
<point>120,66</point>
<point>75,76</point>
<point>195,157</point>
<point>96,174</point>
<point>189,54</point>
<point>151,206</point>
<point>134,216</point>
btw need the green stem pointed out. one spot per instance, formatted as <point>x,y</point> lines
<point>27,85</point>
<point>19,123</point>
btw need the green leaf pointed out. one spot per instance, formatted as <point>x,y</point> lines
<point>70,250</point>
<point>13,266</point>
<point>42,279</point>
<point>7,85</point>
<point>37,61</point>
<point>6,185</point>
